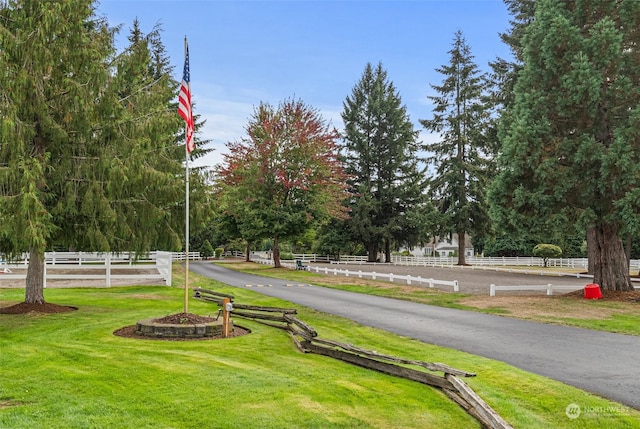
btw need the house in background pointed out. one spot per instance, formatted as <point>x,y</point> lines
<point>445,246</point>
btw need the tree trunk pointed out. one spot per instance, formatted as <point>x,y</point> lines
<point>387,251</point>
<point>610,268</point>
<point>372,252</point>
<point>34,291</point>
<point>591,249</point>
<point>461,248</point>
<point>276,253</point>
<point>627,250</point>
<point>247,252</point>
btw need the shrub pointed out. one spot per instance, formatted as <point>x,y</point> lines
<point>206,250</point>
<point>546,251</point>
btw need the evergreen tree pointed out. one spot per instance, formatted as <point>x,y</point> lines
<point>505,71</point>
<point>462,158</point>
<point>381,158</point>
<point>145,69</point>
<point>88,152</point>
<point>572,137</point>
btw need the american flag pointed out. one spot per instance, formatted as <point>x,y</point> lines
<point>184,101</point>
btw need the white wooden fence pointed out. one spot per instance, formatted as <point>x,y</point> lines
<point>374,276</point>
<point>549,288</point>
<point>67,266</point>
<point>440,261</point>
<point>181,256</point>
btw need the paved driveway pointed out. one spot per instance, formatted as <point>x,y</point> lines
<point>599,362</point>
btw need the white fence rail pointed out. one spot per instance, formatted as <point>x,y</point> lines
<point>549,288</point>
<point>181,256</point>
<point>391,277</point>
<point>61,266</point>
<point>374,276</point>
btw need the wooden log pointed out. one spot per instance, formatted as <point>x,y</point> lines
<point>386,368</point>
<point>212,292</point>
<point>273,325</point>
<point>453,395</point>
<point>294,330</point>
<point>206,298</point>
<point>266,309</point>
<point>312,332</point>
<point>298,343</point>
<point>431,366</point>
<point>481,409</point>
<point>260,316</point>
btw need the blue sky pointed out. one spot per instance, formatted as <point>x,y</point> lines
<point>243,52</point>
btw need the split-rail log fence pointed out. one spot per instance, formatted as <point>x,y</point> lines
<point>306,339</point>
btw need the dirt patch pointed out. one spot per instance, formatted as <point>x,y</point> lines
<point>7,403</point>
<point>46,308</point>
<point>610,295</point>
<point>184,318</point>
<point>571,305</point>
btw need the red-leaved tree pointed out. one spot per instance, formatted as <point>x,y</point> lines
<point>284,177</point>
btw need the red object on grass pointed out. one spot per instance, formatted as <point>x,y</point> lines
<point>592,291</point>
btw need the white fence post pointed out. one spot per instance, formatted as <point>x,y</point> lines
<point>492,290</point>
<point>107,268</point>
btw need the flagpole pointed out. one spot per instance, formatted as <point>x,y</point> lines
<point>186,228</point>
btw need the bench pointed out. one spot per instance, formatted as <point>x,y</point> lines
<point>299,265</point>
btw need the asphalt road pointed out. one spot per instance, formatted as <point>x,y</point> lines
<point>599,362</point>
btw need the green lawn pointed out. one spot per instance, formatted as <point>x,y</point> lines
<point>69,371</point>
<point>619,317</point>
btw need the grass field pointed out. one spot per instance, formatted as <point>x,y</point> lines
<point>68,370</point>
<point>605,315</point>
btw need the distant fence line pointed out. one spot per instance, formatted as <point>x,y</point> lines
<point>373,275</point>
<point>523,261</point>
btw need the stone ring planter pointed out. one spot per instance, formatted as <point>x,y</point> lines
<point>152,328</point>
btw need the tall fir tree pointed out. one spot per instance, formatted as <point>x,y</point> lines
<point>381,155</point>
<point>149,90</point>
<point>505,71</point>
<point>87,139</point>
<point>572,137</point>
<point>462,159</point>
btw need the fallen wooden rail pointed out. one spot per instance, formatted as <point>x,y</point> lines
<point>306,339</point>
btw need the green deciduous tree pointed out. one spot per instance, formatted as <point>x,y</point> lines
<point>571,140</point>
<point>284,177</point>
<point>462,158</point>
<point>381,154</point>
<point>88,146</point>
